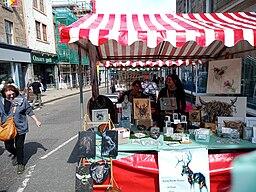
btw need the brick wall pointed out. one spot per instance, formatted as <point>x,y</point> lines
<point>16,16</point>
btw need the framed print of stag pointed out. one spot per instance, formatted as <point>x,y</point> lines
<point>224,76</point>
<point>142,109</point>
<point>193,177</point>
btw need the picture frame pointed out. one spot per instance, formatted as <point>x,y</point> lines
<point>168,104</point>
<point>250,121</point>
<point>109,144</point>
<point>100,115</point>
<point>195,116</point>
<point>87,144</point>
<point>142,108</point>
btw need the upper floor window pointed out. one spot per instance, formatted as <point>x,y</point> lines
<point>35,4</point>
<point>38,30</point>
<point>41,5</point>
<point>44,32</point>
<point>8,31</point>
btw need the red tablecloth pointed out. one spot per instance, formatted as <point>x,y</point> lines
<point>139,172</point>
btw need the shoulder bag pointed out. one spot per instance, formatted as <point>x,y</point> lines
<point>8,129</point>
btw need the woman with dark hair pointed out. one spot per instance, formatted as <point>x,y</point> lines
<point>135,92</point>
<point>13,104</point>
<point>173,88</point>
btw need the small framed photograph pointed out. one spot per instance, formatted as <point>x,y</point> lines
<point>175,116</point>
<point>100,115</point>
<point>183,118</point>
<point>168,104</point>
<point>195,116</point>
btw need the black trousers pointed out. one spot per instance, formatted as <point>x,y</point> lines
<point>16,147</point>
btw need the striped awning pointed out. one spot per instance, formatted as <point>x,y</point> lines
<point>162,36</point>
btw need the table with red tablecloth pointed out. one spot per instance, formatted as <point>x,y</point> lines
<point>138,168</point>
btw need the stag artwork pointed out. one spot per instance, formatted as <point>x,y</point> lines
<point>142,109</point>
<point>217,108</point>
<point>193,178</point>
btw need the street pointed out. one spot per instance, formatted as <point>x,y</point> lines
<point>49,151</point>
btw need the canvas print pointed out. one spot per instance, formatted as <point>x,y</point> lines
<point>168,104</point>
<point>142,109</point>
<point>224,76</point>
<point>87,144</point>
<point>195,116</point>
<point>214,106</point>
<point>100,115</point>
<point>182,170</point>
<point>109,145</point>
<point>84,181</point>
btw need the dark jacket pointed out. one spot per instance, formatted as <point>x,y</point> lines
<point>23,109</point>
<point>130,96</point>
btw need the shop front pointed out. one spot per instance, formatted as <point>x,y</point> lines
<point>14,62</point>
<point>45,68</point>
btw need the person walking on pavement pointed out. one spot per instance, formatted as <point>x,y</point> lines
<point>36,87</point>
<point>16,105</point>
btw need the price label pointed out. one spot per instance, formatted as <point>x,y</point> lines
<point>226,130</point>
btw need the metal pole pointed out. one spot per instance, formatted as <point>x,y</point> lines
<point>80,82</point>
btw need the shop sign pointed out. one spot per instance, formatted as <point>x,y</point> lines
<point>43,59</point>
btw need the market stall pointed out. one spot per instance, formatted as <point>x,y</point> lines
<point>162,39</point>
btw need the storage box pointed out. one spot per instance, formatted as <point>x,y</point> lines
<point>202,135</point>
<point>123,135</point>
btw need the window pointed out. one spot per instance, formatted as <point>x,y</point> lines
<point>44,32</point>
<point>41,5</point>
<point>35,3</point>
<point>38,31</point>
<point>6,3</point>
<point>9,31</point>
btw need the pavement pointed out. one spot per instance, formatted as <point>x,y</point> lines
<point>55,94</point>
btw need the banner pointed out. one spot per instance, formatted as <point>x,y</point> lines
<point>184,170</point>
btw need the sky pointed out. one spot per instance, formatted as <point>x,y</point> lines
<point>130,6</point>
<point>135,6</point>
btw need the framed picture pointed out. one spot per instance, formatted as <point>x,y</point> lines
<point>109,145</point>
<point>250,121</point>
<point>195,116</point>
<point>87,144</point>
<point>168,104</point>
<point>224,76</point>
<point>100,115</point>
<point>142,109</point>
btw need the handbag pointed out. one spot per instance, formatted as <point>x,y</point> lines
<point>8,130</point>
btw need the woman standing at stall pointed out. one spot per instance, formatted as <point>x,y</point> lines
<point>173,88</point>
<point>13,104</point>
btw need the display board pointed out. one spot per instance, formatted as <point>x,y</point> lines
<point>224,76</point>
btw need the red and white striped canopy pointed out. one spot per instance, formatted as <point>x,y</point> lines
<point>162,36</point>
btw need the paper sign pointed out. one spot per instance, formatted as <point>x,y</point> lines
<point>226,130</point>
<point>173,163</point>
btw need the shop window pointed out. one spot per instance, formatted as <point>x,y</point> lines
<point>38,31</point>
<point>35,4</point>
<point>9,32</point>
<point>249,81</point>
<point>44,32</point>
<point>194,78</point>
<point>42,5</point>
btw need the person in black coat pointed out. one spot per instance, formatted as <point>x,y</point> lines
<point>173,88</point>
<point>135,92</point>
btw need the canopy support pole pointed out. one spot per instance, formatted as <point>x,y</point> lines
<point>94,77</point>
<point>80,82</point>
